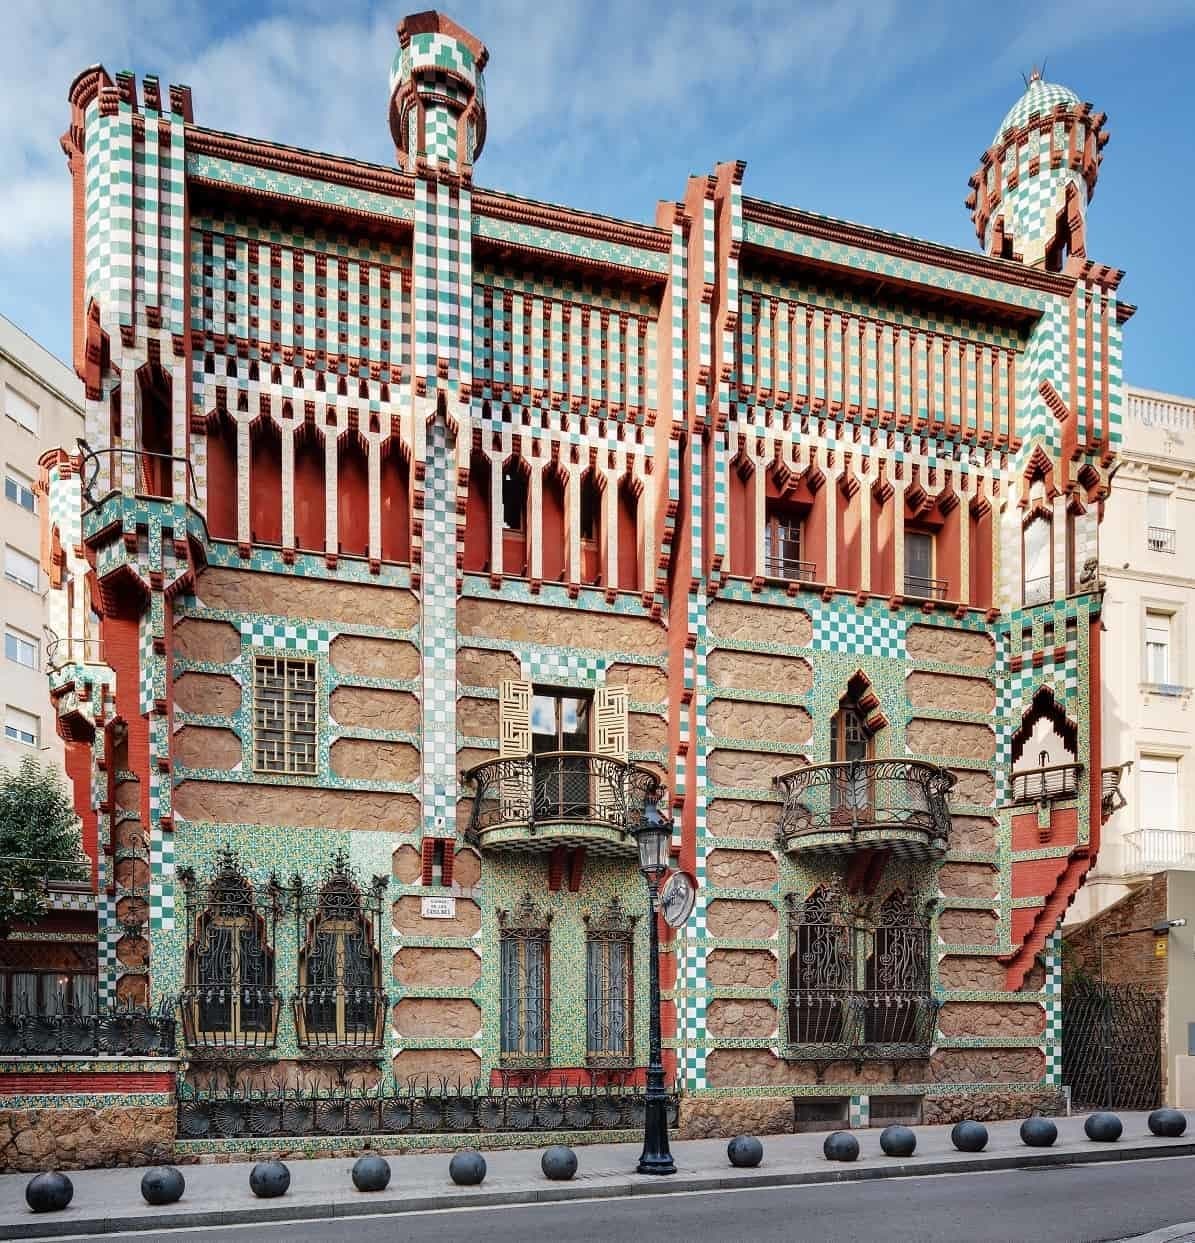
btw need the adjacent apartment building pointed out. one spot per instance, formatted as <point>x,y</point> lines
<point>432,533</point>
<point>41,400</point>
<point>1149,607</point>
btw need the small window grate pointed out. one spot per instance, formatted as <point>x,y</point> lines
<point>821,1113</point>
<point>886,1110</point>
<point>284,705</point>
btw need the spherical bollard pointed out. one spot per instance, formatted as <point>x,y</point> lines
<point>897,1141</point>
<point>371,1172</point>
<point>162,1185</point>
<point>1104,1128</point>
<point>49,1193</point>
<point>840,1146</point>
<point>745,1152</point>
<point>269,1179</point>
<point>1038,1132</point>
<point>467,1168</point>
<point>1168,1123</point>
<point>968,1136</point>
<point>558,1163</point>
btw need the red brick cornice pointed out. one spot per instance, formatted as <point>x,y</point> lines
<point>346,172</point>
<point>848,234</point>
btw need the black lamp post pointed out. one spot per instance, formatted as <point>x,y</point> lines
<point>653,838</point>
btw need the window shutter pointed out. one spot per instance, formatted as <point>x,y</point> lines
<point>610,731</point>
<point>514,718</point>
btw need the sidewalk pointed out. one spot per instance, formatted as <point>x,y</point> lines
<point>110,1200</point>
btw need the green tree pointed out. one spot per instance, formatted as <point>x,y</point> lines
<point>38,827</point>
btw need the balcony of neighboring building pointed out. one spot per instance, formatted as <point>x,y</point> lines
<point>558,798</point>
<point>860,804</point>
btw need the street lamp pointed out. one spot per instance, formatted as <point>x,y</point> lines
<point>653,837</point>
<point>1160,928</point>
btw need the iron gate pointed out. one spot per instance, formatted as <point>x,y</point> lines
<point>1111,1046</point>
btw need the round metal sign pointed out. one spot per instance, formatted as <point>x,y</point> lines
<point>677,898</point>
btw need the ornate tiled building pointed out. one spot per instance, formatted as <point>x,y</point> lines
<point>431,533</point>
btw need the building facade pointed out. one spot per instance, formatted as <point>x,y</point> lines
<point>42,408</point>
<point>1149,602</point>
<point>433,533</point>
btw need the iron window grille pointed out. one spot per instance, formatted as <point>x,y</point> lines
<point>858,984</point>
<point>609,987</point>
<point>1160,539</point>
<point>284,715</point>
<point>229,1000</point>
<point>524,974</point>
<point>339,1008</point>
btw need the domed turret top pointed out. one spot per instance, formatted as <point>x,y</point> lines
<point>1040,97</point>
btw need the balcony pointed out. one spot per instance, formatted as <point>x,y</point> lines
<point>123,1031</point>
<point>1159,850</point>
<point>1112,798</point>
<point>340,1022</point>
<point>50,884</point>
<point>1160,539</point>
<point>844,808</point>
<point>868,1023</point>
<point>918,587</point>
<point>559,798</point>
<point>222,1020</point>
<point>1044,785</point>
<point>135,471</point>
<point>788,569</point>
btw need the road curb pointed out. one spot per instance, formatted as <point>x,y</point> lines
<point>41,1227</point>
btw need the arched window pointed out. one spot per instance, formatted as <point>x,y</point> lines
<point>1038,559</point>
<point>1045,753</point>
<point>229,998</point>
<point>609,1012</point>
<point>896,999</point>
<point>851,745</point>
<point>821,968</point>
<point>523,974</point>
<point>340,1002</point>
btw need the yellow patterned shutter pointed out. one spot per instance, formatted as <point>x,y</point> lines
<point>610,737</point>
<point>514,742</point>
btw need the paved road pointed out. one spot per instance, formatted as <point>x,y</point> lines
<point>1067,1204</point>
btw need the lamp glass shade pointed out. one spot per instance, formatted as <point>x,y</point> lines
<point>653,837</point>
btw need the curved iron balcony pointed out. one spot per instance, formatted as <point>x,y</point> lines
<point>558,798</point>
<point>338,1021</point>
<point>842,808</point>
<point>132,1031</point>
<point>219,1019</point>
<point>867,1023</point>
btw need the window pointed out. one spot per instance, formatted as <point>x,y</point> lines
<point>20,568</point>
<point>523,985</point>
<point>44,994</point>
<point>20,648</point>
<point>20,409</point>
<point>783,542</point>
<point>22,727</point>
<point>851,790</point>
<point>1037,553</point>
<point>560,723</point>
<point>1157,648</point>
<point>1158,777</point>
<point>284,707</point>
<point>919,567</point>
<point>591,507</point>
<point>609,1027</point>
<point>514,497</point>
<point>1159,534</point>
<point>19,489</point>
<point>230,997</point>
<point>340,1002</point>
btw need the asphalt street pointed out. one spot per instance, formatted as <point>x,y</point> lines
<point>1065,1204</point>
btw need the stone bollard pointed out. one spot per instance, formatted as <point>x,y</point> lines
<point>1104,1128</point>
<point>840,1146</point>
<point>1038,1132</point>
<point>371,1172</point>
<point>50,1192</point>
<point>162,1185</point>
<point>969,1136</point>
<point>1168,1123</point>
<point>269,1179</point>
<point>744,1152</point>
<point>558,1163</point>
<point>897,1141</point>
<point>467,1168</point>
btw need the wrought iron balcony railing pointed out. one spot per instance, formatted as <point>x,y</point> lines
<point>789,568</point>
<point>125,1031</point>
<point>867,1023</point>
<point>919,587</point>
<point>63,651</point>
<point>553,792</point>
<point>219,1019</point>
<point>1160,539</point>
<point>336,1021</point>
<point>135,470</point>
<point>1043,785</point>
<point>1112,798</point>
<point>841,807</point>
<point>46,875</point>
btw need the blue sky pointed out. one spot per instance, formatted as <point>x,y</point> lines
<point>872,110</point>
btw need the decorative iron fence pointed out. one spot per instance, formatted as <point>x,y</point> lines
<point>569,786</point>
<point>865,794</point>
<point>1041,785</point>
<point>125,1031</point>
<point>1111,1046</point>
<point>427,1106</point>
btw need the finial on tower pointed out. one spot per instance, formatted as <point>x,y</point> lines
<point>437,95</point>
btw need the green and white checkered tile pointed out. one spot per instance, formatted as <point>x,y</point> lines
<point>286,636</point>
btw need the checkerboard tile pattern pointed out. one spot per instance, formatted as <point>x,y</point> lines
<point>1053,992</point>
<point>286,636</point>
<point>843,627</point>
